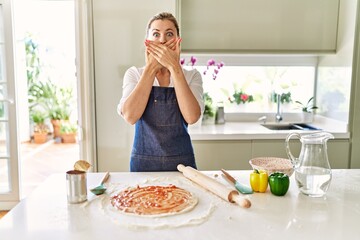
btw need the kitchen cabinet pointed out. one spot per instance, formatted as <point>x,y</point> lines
<point>214,155</point>
<point>235,154</point>
<point>259,25</point>
<point>338,150</point>
<point>274,148</point>
<point>339,153</point>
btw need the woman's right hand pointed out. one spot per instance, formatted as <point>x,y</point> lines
<point>171,43</point>
<point>151,61</point>
<point>167,54</point>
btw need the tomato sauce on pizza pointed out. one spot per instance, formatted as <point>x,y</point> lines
<point>154,200</point>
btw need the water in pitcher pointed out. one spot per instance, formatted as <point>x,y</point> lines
<point>313,181</point>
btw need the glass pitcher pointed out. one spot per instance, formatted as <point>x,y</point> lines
<point>312,168</point>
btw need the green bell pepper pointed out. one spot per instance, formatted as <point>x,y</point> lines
<point>279,183</point>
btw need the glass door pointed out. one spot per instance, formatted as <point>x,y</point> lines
<point>9,171</point>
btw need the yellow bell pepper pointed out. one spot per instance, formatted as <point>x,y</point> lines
<point>259,181</point>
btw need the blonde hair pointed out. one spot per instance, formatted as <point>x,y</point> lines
<point>163,16</point>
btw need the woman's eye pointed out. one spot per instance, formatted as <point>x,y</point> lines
<point>156,34</point>
<point>169,34</point>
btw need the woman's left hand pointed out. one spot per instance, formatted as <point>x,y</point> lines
<point>167,54</point>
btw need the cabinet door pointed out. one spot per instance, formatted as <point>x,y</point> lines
<point>338,154</point>
<point>274,148</point>
<point>259,25</point>
<point>338,151</point>
<point>214,155</point>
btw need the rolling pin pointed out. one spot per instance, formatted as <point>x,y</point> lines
<point>214,186</point>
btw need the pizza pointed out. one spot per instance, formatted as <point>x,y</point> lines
<point>154,200</point>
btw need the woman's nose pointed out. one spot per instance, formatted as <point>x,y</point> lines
<point>163,39</point>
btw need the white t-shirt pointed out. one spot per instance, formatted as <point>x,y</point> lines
<point>132,77</point>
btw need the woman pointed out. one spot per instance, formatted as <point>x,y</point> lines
<point>161,99</point>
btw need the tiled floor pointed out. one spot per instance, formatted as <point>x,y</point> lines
<point>39,161</point>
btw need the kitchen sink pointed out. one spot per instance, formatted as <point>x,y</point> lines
<point>290,126</point>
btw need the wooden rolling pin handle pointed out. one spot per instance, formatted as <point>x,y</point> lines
<point>213,186</point>
<point>242,202</point>
<point>105,178</point>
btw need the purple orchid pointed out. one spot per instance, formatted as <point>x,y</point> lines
<point>220,65</point>
<point>182,61</point>
<point>211,62</point>
<point>193,60</point>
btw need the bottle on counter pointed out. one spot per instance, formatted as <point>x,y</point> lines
<point>220,113</point>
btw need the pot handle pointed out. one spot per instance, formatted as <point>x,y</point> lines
<point>294,160</point>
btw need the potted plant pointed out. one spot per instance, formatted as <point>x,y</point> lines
<point>40,129</point>
<point>284,98</point>
<point>212,70</point>
<point>307,109</point>
<point>56,101</point>
<point>58,115</point>
<point>209,112</point>
<point>238,100</point>
<point>240,97</point>
<point>68,132</point>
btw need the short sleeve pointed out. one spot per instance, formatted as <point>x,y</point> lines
<point>131,78</point>
<point>196,86</point>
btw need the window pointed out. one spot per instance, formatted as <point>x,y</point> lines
<point>251,83</point>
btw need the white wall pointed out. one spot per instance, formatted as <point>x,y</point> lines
<point>334,72</point>
<point>119,34</point>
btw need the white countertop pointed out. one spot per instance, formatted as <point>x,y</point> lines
<point>250,130</point>
<point>45,214</point>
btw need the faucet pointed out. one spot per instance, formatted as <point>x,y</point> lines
<point>278,116</point>
<point>263,119</point>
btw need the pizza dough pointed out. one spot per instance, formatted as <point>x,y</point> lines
<point>100,206</point>
<point>154,201</point>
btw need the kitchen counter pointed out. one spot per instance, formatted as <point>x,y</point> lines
<point>45,214</point>
<point>245,129</point>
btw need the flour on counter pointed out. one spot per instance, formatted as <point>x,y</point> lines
<point>207,202</point>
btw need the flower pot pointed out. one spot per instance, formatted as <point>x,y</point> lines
<point>239,108</point>
<point>207,120</point>
<point>68,137</point>
<point>40,137</point>
<point>56,126</point>
<point>307,117</point>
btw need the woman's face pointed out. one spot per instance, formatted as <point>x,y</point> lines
<point>161,31</point>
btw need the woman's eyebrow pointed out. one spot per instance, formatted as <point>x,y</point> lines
<point>158,30</point>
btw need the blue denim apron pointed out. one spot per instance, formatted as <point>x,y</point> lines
<point>161,139</point>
